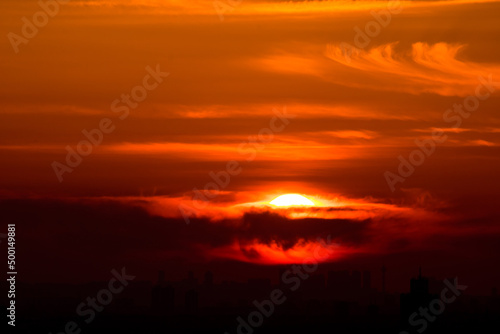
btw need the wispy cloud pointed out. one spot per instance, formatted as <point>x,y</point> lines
<point>426,68</point>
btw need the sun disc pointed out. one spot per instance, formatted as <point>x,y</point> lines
<point>291,199</point>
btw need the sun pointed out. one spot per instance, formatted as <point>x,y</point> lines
<point>291,199</point>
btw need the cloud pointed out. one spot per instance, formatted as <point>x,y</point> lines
<point>427,68</point>
<point>136,226</point>
<point>99,232</point>
<point>265,6</point>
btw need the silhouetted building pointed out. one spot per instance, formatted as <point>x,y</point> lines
<point>383,279</point>
<point>161,277</point>
<point>209,279</point>
<point>162,296</point>
<point>337,281</point>
<point>191,301</point>
<point>355,280</point>
<point>367,280</point>
<point>343,285</point>
<point>419,296</point>
<point>262,284</point>
<point>314,286</point>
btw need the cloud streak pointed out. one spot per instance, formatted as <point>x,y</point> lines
<point>426,68</point>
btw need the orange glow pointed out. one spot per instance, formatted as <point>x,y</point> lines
<point>274,253</point>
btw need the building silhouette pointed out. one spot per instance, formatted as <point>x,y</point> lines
<point>419,296</point>
<point>162,295</point>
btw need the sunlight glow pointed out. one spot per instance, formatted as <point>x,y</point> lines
<point>291,199</point>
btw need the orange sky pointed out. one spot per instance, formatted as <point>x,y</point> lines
<point>351,117</point>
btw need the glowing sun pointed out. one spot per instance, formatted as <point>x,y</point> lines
<point>291,199</point>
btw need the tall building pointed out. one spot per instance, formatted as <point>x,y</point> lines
<point>163,295</point>
<point>191,301</point>
<point>383,279</point>
<point>367,280</point>
<point>419,296</point>
<point>355,280</point>
<point>209,279</point>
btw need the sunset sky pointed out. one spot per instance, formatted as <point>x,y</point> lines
<point>268,95</point>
